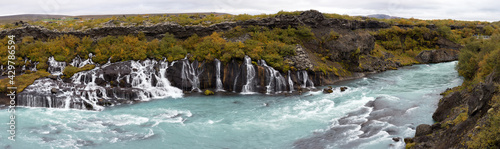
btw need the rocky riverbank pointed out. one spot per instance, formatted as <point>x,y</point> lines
<point>460,117</point>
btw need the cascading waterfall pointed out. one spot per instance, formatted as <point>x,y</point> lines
<point>78,62</point>
<point>276,80</point>
<point>235,81</point>
<point>148,79</point>
<point>249,86</point>
<point>188,73</point>
<point>125,82</point>
<point>33,69</point>
<point>27,67</point>
<point>218,82</point>
<point>41,94</point>
<point>290,82</point>
<point>143,78</point>
<point>305,79</point>
<point>55,67</point>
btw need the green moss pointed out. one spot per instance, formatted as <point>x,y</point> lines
<point>22,81</point>
<point>410,145</point>
<point>455,89</point>
<point>69,71</point>
<point>209,92</point>
<point>460,118</point>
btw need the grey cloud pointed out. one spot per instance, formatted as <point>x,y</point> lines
<point>424,9</point>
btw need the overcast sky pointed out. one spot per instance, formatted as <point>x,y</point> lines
<point>484,10</point>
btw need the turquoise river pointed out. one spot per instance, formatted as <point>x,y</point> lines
<point>369,114</point>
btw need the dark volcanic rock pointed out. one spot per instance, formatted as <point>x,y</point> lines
<point>423,130</point>
<point>301,60</point>
<point>312,18</point>
<point>436,56</point>
<point>53,77</point>
<point>343,88</point>
<point>481,95</point>
<point>445,104</point>
<point>396,139</point>
<point>328,90</point>
<point>54,90</point>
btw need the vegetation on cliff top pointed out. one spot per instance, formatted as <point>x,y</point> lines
<point>270,45</point>
<point>478,59</point>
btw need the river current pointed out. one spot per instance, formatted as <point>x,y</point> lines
<point>369,114</point>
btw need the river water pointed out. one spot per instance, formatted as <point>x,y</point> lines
<point>371,112</point>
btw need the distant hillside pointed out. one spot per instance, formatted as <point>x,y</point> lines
<point>27,17</point>
<point>382,16</point>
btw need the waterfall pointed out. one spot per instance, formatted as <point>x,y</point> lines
<point>188,73</point>
<point>33,69</point>
<point>78,62</point>
<point>144,76</point>
<point>89,89</point>
<point>235,81</point>
<point>249,86</point>
<point>55,67</point>
<point>305,79</point>
<point>218,81</point>
<point>290,82</point>
<point>276,80</point>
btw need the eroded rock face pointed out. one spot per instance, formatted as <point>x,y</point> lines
<point>300,61</point>
<point>436,56</point>
<point>423,129</point>
<point>445,104</point>
<point>312,18</point>
<point>481,95</point>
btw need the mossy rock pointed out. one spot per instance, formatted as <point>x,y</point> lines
<point>342,89</point>
<point>209,92</point>
<point>69,71</point>
<point>328,90</point>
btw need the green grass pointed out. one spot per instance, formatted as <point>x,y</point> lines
<point>69,71</point>
<point>22,81</point>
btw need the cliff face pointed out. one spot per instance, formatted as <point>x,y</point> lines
<point>460,116</point>
<point>310,18</point>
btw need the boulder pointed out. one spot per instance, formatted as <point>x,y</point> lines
<point>445,104</point>
<point>54,90</point>
<point>328,90</point>
<point>408,140</point>
<point>53,77</point>
<point>343,88</point>
<point>209,92</point>
<point>396,139</point>
<point>436,56</point>
<point>423,130</point>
